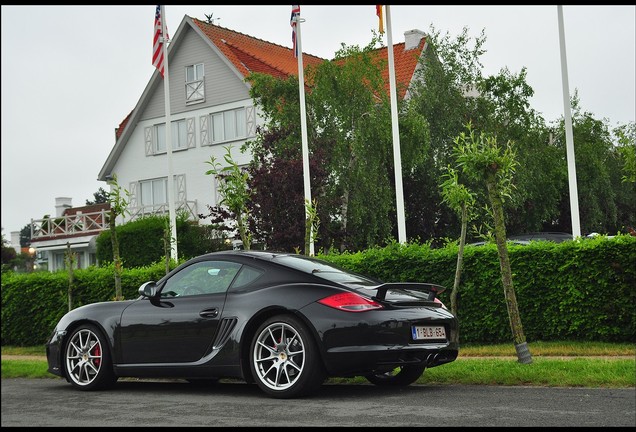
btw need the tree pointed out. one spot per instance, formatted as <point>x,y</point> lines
<point>277,193</point>
<point>625,187</point>
<point>449,69</point>
<point>626,137</point>
<point>118,199</point>
<point>234,192</point>
<point>8,254</point>
<point>505,112</point>
<point>460,199</point>
<point>311,225</point>
<point>101,197</point>
<point>25,236</point>
<point>349,121</point>
<point>70,259</point>
<point>480,157</point>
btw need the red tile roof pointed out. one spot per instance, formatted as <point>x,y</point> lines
<point>122,125</point>
<point>93,208</point>
<point>405,63</point>
<point>249,54</point>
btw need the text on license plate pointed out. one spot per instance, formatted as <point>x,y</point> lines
<point>428,332</point>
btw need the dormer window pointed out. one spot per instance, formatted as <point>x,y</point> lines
<point>195,84</point>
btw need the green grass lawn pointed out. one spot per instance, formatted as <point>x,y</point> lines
<point>554,364</point>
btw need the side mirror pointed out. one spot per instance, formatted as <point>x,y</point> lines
<point>148,289</point>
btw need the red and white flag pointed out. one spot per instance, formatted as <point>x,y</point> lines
<point>380,14</point>
<point>158,41</point>
<point>295,14</point>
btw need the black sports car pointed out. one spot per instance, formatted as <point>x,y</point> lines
<point>284,321</point>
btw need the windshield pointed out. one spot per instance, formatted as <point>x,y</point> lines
<point>325,270</point>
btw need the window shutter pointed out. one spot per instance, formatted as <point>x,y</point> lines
<point>251,121</point>
<point>132,189</point>
<point>148,141</point>
<point>181,189</point>
<point>203,123</point>
<point>191,135</point>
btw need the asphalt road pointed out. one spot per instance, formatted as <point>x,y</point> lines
<point>132,403</point>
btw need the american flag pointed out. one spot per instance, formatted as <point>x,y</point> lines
<point>157,42</point>
<point>294,15</point>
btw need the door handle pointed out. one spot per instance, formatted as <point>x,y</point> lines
<point>209,313</point>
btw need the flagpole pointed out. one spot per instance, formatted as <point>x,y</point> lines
<point>303,129</point>
<point>166,91</point>
<point>569,136</point>
<point>397,159</point>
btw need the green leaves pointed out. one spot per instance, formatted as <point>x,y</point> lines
<point>481,157</point>
<point>454,193</point>
<point>234,191</point>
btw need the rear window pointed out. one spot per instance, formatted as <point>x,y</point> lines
<point>325,270</point>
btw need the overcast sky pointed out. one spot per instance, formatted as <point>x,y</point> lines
<point>70,74</point>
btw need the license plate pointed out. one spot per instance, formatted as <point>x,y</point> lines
<point>428,332</point>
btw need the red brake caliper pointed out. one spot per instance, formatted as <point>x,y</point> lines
<point>97,352</point>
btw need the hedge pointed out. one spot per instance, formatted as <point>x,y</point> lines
<point>577,290</point>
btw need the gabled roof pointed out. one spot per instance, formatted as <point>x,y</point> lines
<point>248,54</point>
<point>405,62</point>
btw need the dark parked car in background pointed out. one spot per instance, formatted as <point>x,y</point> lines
<point>523,239</point>
<point>556,237</point>
<point>284,321</point>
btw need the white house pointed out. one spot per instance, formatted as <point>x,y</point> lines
<point>210,109</point>
<point>72,229</point>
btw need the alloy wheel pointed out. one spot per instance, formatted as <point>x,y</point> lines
<point>279,356</point>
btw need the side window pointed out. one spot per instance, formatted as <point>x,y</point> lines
<point>246,276</point>
<point>206,277</point>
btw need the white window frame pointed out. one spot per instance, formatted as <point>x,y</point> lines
<point>195,84</point>
<point>144,192</point>
<point>179,132</point>
<point>229,125</point>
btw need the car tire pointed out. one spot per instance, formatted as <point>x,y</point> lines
<point>87,360</point>
<point>284,358</point>
<point>399,377</point>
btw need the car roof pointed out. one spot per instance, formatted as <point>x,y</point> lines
<point>259,254</point>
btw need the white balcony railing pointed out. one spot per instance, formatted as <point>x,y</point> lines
<point>80,223</point>
<point>189,207</point>
<point>94,223</point>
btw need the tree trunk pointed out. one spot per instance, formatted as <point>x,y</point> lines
<point>116,258</point>
<point>167,245</point>
<point>460,260</point>
<point>71,276</point>
<point>245,238</point>
<point>523,354</point>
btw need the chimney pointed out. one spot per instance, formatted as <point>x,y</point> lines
<point>61,204</point>
<point>412,39</point>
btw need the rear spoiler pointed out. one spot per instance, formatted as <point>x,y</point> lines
<point>432,289</point>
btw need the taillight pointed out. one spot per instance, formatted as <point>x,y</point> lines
<point>350,302</point>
